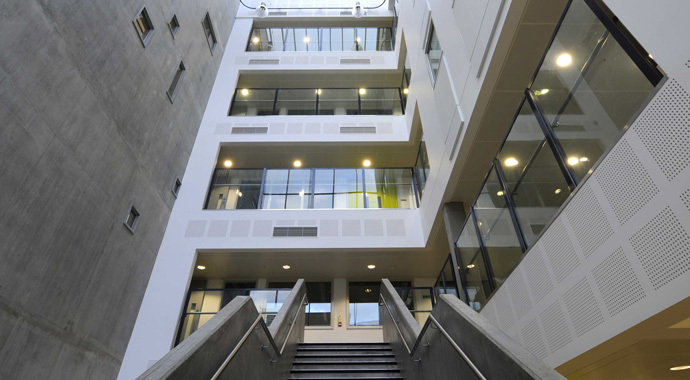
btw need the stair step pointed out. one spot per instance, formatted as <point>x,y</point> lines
<point>330,346</point>
<point>347,376</point>
<point>341,348</point>
<point>346,368</point>
<point>343,355</point>
<point>357,361</point>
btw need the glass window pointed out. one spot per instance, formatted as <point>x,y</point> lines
<point>348,189</point>
<point>266,39</point>
<point>144,26</point>
<point>338,102</point>
<point>364,303</point>
<point>497,230</point>
<point>477,286</point>
<point>235,189</point>
<point>172,90</point>
<point>588,87</point>
<point>318,312</point>
<point>533,176</point>
<point>210,33</point>
<point>421,168</point>
<point>287,189</point>
<point>389,188</point>
<point>381,101</point>
<point>253,102</point>
<point>296,102</point>
<point>433,52</point>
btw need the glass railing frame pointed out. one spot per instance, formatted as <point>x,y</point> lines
<point>646,66</point>
<point>312,193</point>
<point>392,30</point>
<point>316,101</point>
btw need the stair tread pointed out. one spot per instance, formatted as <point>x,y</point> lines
<point>350,378</point>
<point>358,362</point>
<point>346,370</point>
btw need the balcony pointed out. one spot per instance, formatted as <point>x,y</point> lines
<point>321,39</point>
<point>316,188</point>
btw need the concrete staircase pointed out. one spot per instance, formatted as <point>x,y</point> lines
<point>344,361</point>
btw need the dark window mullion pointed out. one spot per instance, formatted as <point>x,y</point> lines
<point>568,173</point>
<point>275,102</point>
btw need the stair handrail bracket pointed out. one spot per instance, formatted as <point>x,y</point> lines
<point>486,352</point>
<point>208,353</point>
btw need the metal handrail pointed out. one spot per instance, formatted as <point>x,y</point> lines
<point>259,320</point>
<point>443,331</point>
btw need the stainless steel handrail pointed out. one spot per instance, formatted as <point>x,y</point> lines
<point>259,320</point>
<point>443,331</point>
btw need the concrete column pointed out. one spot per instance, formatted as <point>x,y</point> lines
<point>261,283</point>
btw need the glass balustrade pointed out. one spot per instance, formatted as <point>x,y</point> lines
<point>203,304</point>
<point>592,81</point>
<point>318,101</point>
<point>318,188</point>
<point>321,39</point>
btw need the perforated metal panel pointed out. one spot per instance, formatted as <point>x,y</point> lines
<point>664,128</point>
<point>518,293</point>
<point>533,341</point>
<point>617,282</point>
<point>555,327</point>
<point>685,197</point>
<point>535,268</point>
<point>617,183</point>
<point>504,312</point>
<point>588,221</point>
<point>559,250</point>
<point>582,307</point>
<point>662,247</point>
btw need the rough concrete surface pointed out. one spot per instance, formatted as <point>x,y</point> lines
<point>86,131</point>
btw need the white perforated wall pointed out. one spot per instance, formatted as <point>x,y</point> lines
<point>619,251</point>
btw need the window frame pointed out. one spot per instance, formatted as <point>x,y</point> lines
<point>146,37</point>
<point>135,221</point>
<point>174,29</point>
<point>431,31</point>
<point>213,35</point>
<point>176,81</point>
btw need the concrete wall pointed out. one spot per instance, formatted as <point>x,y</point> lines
<point>87,130</point>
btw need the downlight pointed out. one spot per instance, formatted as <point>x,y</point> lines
<point>357,10</point>
<point>262,10</point>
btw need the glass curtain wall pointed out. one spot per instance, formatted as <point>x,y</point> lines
<point>591,82</point>
<point>322,39</point>
<point>343,188</point>
<point>317,101</point>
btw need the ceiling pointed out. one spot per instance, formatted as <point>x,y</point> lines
<point>318,265</point>
<point>324,155</point>
<point>645,351</point>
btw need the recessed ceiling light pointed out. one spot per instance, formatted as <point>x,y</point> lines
<point>318,92</point>
<point>557,191</point>
<point>306,40</point>
<point>297,163</point>
<point>286,266</point>
<point>362,91</point>
<point>470,266</point>
<point>650,56</point>
<point>366,163</point>
<point>200,267</point>
<point>239,194</point>
<point>256,40</point>
<point>367,290</point>
<point>511,161</point>
<point>406,91</point>
<point>245,92</point>
<point>564,59</point>
<point>301,193</point>
<point>499,193</point>
<point>371,266</point>
<point>543,91</point>
<point>227,163</point>
<point>584,159</point>
<point>358,39</point>
<point>680,368</point>
<point>573,160</point>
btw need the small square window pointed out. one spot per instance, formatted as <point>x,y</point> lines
<point>176,187</point>
<point>433,52</point>
<point>144,26</point>
<point>132,219</point>
<point>175,84</point>
<point>174,26</point>
<point>209,32</point>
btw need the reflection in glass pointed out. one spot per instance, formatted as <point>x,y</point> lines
<point>389,188</point>
<point>339,102</point>
<point>497,230</point>
<point>296,102</point>
<point>532,174</point>
<point>589,99</point>
<point>253,102</point>
<point>364,303</point>
<point>472,264</point>
<point>318,310</point>
<point>433,52</point>
<point>381,101</point>
<point>321,39</point>
<point>235,189</point>
<point>422,168</point>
